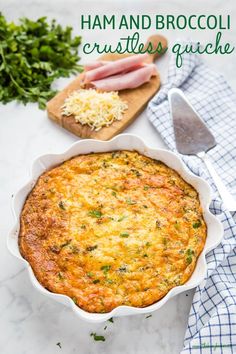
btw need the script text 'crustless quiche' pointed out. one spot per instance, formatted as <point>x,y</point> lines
<point>110,229</point>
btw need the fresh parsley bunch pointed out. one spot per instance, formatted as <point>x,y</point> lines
<point>32,55</point>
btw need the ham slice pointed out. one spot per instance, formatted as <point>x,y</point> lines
<point>129,80</point>
<point>114,67</point>
<point>94,65</point>
<point>99,63</point>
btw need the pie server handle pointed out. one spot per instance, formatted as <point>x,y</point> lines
<point>226,196</point>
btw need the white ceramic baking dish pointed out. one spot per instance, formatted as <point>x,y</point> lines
<point>120,142</point>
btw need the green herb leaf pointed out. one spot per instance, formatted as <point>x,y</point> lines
<point>62,205</point>
<point>106,268</point>
<point>97,337</point>
<point>111,320</point>
<point>164,240</point>
<point>95,213</point>
<point>197,224</point>
<point>66,243</point>
<point>60,276</point>
<point>189,254</point>
<point>121,218</point>
<point>122,269</point>
<point>32,55</point>
<point>189,259</point>
<point>177,226</point>
<point>136,172</point>
<point>95,281</point>
<point>148,316</point>
<point>130,201</point>
<point>91,248</point>
<point>90,274</point>
<point>124,234</point>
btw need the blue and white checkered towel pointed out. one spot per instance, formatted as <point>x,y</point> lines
<point>212,318</point>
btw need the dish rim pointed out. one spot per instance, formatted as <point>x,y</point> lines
<point>121,142</point>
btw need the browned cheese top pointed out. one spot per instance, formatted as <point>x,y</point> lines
<point>110,229</point>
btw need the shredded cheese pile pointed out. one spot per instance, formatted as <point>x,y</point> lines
<point>96,109</point>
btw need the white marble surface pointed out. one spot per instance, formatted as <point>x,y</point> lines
<point>29,322</point>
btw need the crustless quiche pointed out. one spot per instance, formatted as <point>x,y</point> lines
<point>110,229</point>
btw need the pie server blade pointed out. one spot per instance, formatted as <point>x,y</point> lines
<point>191,134</point>
<point>194,138</point>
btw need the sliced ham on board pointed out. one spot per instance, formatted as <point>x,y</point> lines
<point>114,67</point>
<point>129,80</point>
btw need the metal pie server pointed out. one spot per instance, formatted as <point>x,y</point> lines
<point>194,138</point>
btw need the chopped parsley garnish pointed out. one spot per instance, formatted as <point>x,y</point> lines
<point>60,276</point>
<point>189,254</point>
<point>83,226</point>
<point>91,248</point>
<point>189,259</point>
<point>123,269</point>
<point>106,268</point>
<point>130,201</point>
<point>95,281</point>
<point>74,249</point>
<point>66,243</point>
<point>62,205</point>
<point>148,316</point>
<point>146,188</point>
<point>197,224</point>
<point>105,164</point>
<point>113,193</point>
<point>164,240</point>
<point>177,226</point>
<point>136,172</point>
<point>111,320</point>
<point>124,234</point>
<point>97,338</point>
<point>122,218</point>
<point>115,154</point>
<point>145,255</point>
<point>95,213</point>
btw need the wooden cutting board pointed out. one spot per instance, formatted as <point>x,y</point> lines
<point>136,99</point>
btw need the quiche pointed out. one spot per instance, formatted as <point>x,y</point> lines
<point>111,229</point>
